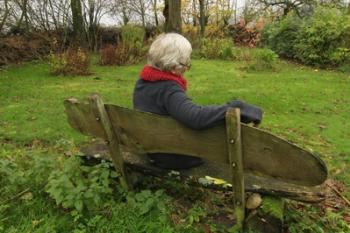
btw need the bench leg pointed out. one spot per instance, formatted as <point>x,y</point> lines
<point>113,140</point>
<point>234,144</point>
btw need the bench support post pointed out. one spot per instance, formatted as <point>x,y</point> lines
<point>113,140</point>
<point>234,144</point>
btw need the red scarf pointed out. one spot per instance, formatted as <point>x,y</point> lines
<point>153,75</point>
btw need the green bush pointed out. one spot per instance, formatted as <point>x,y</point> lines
<point>217,49</point>
<point>132,34</point>
<point>80,187</point>
<point>263,59</point>
<point>282,36</point>
<point>131,49</point>
<point>323,39</point>
<point>75,61</point>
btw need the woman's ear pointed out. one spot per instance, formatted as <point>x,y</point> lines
<point>178,70</point>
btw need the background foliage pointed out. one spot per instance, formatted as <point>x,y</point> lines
<point>321,39</point>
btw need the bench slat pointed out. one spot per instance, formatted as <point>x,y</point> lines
<point>263,152</point>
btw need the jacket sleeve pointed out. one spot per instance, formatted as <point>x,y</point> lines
<point>180,107</point>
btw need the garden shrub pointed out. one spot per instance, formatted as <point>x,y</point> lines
<point>192,34</point>
<point>282,36</point>
<point>75,61</point>
<point>129,50</point>
<point>132,34</point>
<point>214,31</point>
<point>18,48</point>
<point>217,49</point>
<point>323,39</point>
<point>108,56</point>
<point>263,59</point>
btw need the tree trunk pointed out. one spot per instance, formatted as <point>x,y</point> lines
<point>155,12</point>
<point>201,17</point>
<point>25,12</point>
<point>166,14</point>
<point>79,38</point>
<point>174,16</point>
<point>194,13</point>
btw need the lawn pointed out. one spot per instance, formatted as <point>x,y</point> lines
<point>307,106</point>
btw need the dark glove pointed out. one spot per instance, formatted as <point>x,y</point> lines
<point>249,112</point>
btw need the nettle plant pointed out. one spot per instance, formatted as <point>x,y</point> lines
<point>78,187</point>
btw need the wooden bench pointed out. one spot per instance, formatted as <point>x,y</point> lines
<point>249,158</point>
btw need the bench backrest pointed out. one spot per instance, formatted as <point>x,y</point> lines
<point>263,153</point>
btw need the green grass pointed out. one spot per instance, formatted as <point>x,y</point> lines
<point>306,106</point>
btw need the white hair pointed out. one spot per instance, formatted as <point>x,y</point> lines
<point>169,50</point>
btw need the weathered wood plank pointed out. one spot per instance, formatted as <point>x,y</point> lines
<point>81,118</point>
<point>253,182</point>
<point>233,131</point>
<point>262,152</point>
<point>113,141</point>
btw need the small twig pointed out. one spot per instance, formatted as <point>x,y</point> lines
<point>339,194</point>
<point>16,196</point>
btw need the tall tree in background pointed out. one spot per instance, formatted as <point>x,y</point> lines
<point>173,16</point>
<point>78,24</point>
<point>166,14</point>
<point>94,10</point>
<point>202,22</point>
<point>155,11</point>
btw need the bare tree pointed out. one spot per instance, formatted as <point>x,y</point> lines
<point>155,11</point>
<point>288,5</point>
<point>94,10</point>
<point>202,20</point>
<point>23,7</point>
<point>4,13</point>
<point>140,7</point>
<point>121,10</point>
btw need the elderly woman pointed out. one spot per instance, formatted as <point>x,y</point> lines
<point>161,89</point>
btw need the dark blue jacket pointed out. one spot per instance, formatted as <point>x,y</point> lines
<point>168,98</point>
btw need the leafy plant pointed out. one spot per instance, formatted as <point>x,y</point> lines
<point>282,36</point>
<point>196,213</point>
<point>263,59</point>
<point>324,39</point>
<point>108,56</point>
<point>320,40</point>
<point>147,201</point>
<point>217,49</point>
<point>80,187</point>
<point>131,49</point>
<point>75,61</point>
